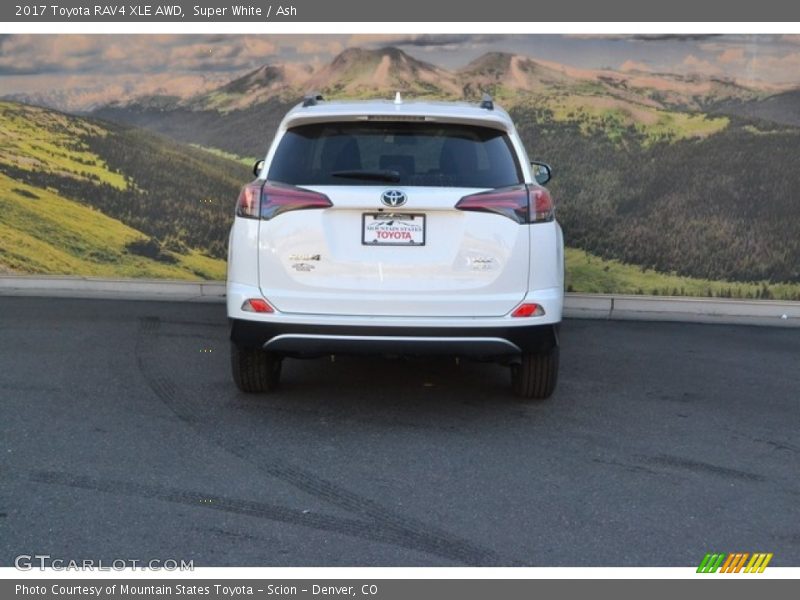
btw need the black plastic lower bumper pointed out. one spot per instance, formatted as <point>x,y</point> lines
<point>315,340</point>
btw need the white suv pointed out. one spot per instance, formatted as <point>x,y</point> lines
<point>400,229</point>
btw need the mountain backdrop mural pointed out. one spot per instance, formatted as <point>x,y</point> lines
<point>674,180</point>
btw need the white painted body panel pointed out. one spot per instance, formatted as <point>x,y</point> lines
<point>472,264</point>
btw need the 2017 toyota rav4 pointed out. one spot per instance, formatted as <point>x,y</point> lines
<point>398,228</point>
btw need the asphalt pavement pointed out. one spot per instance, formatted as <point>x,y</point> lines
<point>122,436</point>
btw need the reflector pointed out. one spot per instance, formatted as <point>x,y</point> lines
<point>258,305</point>
<point>528,310</point>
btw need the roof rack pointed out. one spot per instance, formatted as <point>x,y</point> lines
<point>312,99</point>
<point>487,102</point>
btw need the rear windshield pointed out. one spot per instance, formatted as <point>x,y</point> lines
<point>423,154</point>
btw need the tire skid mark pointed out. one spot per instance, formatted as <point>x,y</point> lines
<point>149,323</point>
<point>782,445</point>
<point>272,512</point>
<point>703,468</point>
<point>170,321</point>
<point>631,468</point>
<point>402,531</point>
<point>28,387</point>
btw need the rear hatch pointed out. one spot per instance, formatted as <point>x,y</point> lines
<point>392,242</point>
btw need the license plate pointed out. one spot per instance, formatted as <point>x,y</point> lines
<point>392,229</point>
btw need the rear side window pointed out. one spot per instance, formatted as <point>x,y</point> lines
<point>422,154</point>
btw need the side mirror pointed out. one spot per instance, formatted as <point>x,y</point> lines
<point>542,172</point>
<point>258,167</point>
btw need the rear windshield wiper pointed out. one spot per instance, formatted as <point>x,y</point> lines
<point>377,175</point>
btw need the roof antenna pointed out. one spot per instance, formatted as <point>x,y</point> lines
<point>398,99</point>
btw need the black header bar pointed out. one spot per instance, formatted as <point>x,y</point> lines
<point>533,11</point>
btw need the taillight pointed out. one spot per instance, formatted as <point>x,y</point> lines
<point>542,209</point>
<point>249,200</point>
<point>520,203</point>
<point>267,200</point>
<point>510,202</point>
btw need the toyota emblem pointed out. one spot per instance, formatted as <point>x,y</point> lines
<point>393,198</point>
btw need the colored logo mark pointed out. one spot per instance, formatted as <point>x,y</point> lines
<point>735,562</point>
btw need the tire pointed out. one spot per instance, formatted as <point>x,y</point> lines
<point>536,376</point>
<point>254,370</point>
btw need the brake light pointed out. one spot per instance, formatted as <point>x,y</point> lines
<point>258,305</point>
<point>267,200</point>
<point>542,209</point>
<point>519,203</point>
<point>277,199</point>
<point>249,200</point>
<point>529,309</point>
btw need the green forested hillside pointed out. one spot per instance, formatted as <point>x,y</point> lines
<point>653,200</point>
<point>42,232</point>
<point>83,197</point>
<point>725,206</point>
<point>706,197</point>
<point>782,108</point>
<point>588,273</point>
<point>245,132</point>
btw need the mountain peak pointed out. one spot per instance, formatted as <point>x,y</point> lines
<point>499,72</point>
<point>364,71</point>
<point>491,61</point>
<point>379,72</point>
<point>366,57</point>
<point>270,76</point>
<point>265,75</point>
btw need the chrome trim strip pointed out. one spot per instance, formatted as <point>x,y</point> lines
<point>391,339</point>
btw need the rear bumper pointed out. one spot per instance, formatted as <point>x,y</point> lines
<point>294,339</point>
<point>551,299</point>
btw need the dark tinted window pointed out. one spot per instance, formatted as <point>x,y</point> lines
<point>425,154</point>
